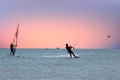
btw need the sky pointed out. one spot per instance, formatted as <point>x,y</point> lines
<point>83,24</point>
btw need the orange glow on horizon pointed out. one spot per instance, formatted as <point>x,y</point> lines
<point>53,32</point>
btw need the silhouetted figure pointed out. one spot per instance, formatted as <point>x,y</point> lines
<point>12,49</point>
<point>70,51</point>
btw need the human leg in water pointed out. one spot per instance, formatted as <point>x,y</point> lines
<point>75,55</point>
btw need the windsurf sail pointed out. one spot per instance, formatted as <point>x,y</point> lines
<point>16,37</point>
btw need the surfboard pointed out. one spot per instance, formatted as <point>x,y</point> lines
<point>77,57</point>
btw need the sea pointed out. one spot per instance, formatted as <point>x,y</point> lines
<point>55,64</point>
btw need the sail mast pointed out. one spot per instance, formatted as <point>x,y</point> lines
<point>16,34</point>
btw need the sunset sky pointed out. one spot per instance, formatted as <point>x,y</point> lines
<point>83,24</point>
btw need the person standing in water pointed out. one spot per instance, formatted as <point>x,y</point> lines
<point>68,48</point>
<point>12,49</point>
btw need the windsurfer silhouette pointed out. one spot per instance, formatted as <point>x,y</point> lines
<point>12,49</point>
<point>13,45</point>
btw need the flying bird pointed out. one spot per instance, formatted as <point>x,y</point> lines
<point>109,36</point>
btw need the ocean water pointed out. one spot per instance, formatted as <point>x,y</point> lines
<point>55,64</point>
